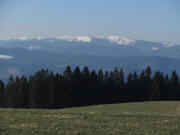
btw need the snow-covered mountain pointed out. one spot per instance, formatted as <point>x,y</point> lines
<point>120,40</point>
<point>27,55</point>
<point>117,46</point>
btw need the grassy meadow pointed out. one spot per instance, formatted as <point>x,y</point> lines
<point>143,118</point>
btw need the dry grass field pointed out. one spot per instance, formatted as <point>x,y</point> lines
<point>144,118</point>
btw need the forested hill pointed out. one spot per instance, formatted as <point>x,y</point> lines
<point>46,89</point>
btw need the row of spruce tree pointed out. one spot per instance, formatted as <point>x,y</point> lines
<point>46,89</point>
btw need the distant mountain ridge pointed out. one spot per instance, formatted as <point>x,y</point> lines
<point>117,46</point>
<point>25,56</point>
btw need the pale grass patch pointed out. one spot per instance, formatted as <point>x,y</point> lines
<point>91,112</point>
<point>31,125</point>
<point>66,116</point>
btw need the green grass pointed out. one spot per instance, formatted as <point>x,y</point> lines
<point>148,118</point>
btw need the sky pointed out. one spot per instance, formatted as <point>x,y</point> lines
<point>151,20</point>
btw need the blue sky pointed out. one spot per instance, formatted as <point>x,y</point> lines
<point>152,20</point>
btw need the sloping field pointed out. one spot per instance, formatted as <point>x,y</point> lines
<point>145,118</point>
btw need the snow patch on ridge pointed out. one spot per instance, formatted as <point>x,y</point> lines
<point>39,38</point>
<point>29,39</point>
<point>168,44</point>
<point>6,57</point>
<point>75,38</point>
<point>121,40</point>
<point>23,38</point>
<point>155,48</point>
<point>33,47</point>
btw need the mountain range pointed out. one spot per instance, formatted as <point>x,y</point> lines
<point>25,56</point>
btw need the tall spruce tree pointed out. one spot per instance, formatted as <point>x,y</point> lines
<point>175,87</point>
<point>2,101</point>
<point>167,92</point>
<point>129,88</point>
<point>76,89</point>
<point>135,84</point>
<point>157,86</point>
<point>22,92</point>
<point>10,93</point>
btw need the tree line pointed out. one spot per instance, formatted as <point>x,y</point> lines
<point>46,89</point>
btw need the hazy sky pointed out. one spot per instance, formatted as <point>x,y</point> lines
<point>152,20</point>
